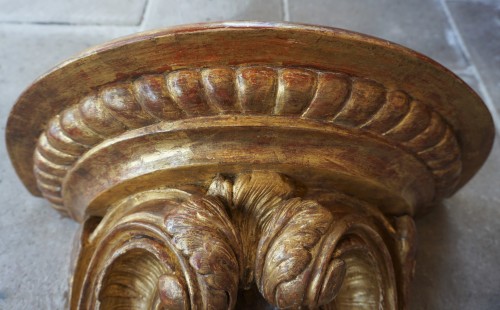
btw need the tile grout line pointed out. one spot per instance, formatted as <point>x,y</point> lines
<point>286,10</point>
<point>487,98</point>
<point>64,24</point>
<point>143,14</point>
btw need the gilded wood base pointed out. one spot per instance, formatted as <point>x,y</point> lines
<point>247,165</point>
<point>180,249</point>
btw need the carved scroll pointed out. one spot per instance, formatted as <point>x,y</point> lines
<point>168,248</point>
<point>163,253</point>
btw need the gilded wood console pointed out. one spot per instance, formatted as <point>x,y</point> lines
<point>246,165</point>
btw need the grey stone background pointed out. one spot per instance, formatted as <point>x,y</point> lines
<point>458,264</point>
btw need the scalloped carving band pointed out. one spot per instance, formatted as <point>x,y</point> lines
<point>328,97</point>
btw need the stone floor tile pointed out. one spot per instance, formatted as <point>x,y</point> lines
<point>468,75</point>
<point>162,13</point>
<point>110,12</point>
<point>36,243</point>
<point>418,24</point>
<point>27,51</point>
<point>459,249</point>
<point>479,26</point>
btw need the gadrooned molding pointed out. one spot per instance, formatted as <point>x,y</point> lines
<point>332,98</point>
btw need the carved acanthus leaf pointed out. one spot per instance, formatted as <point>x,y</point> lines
<point>280,235</point>
<point>286,249</point>
<point>202,231</point>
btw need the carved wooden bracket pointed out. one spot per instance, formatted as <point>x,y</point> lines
<point>244,165</point>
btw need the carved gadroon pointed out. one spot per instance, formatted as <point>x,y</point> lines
<point>328,97</point>
<point>246,165</point>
